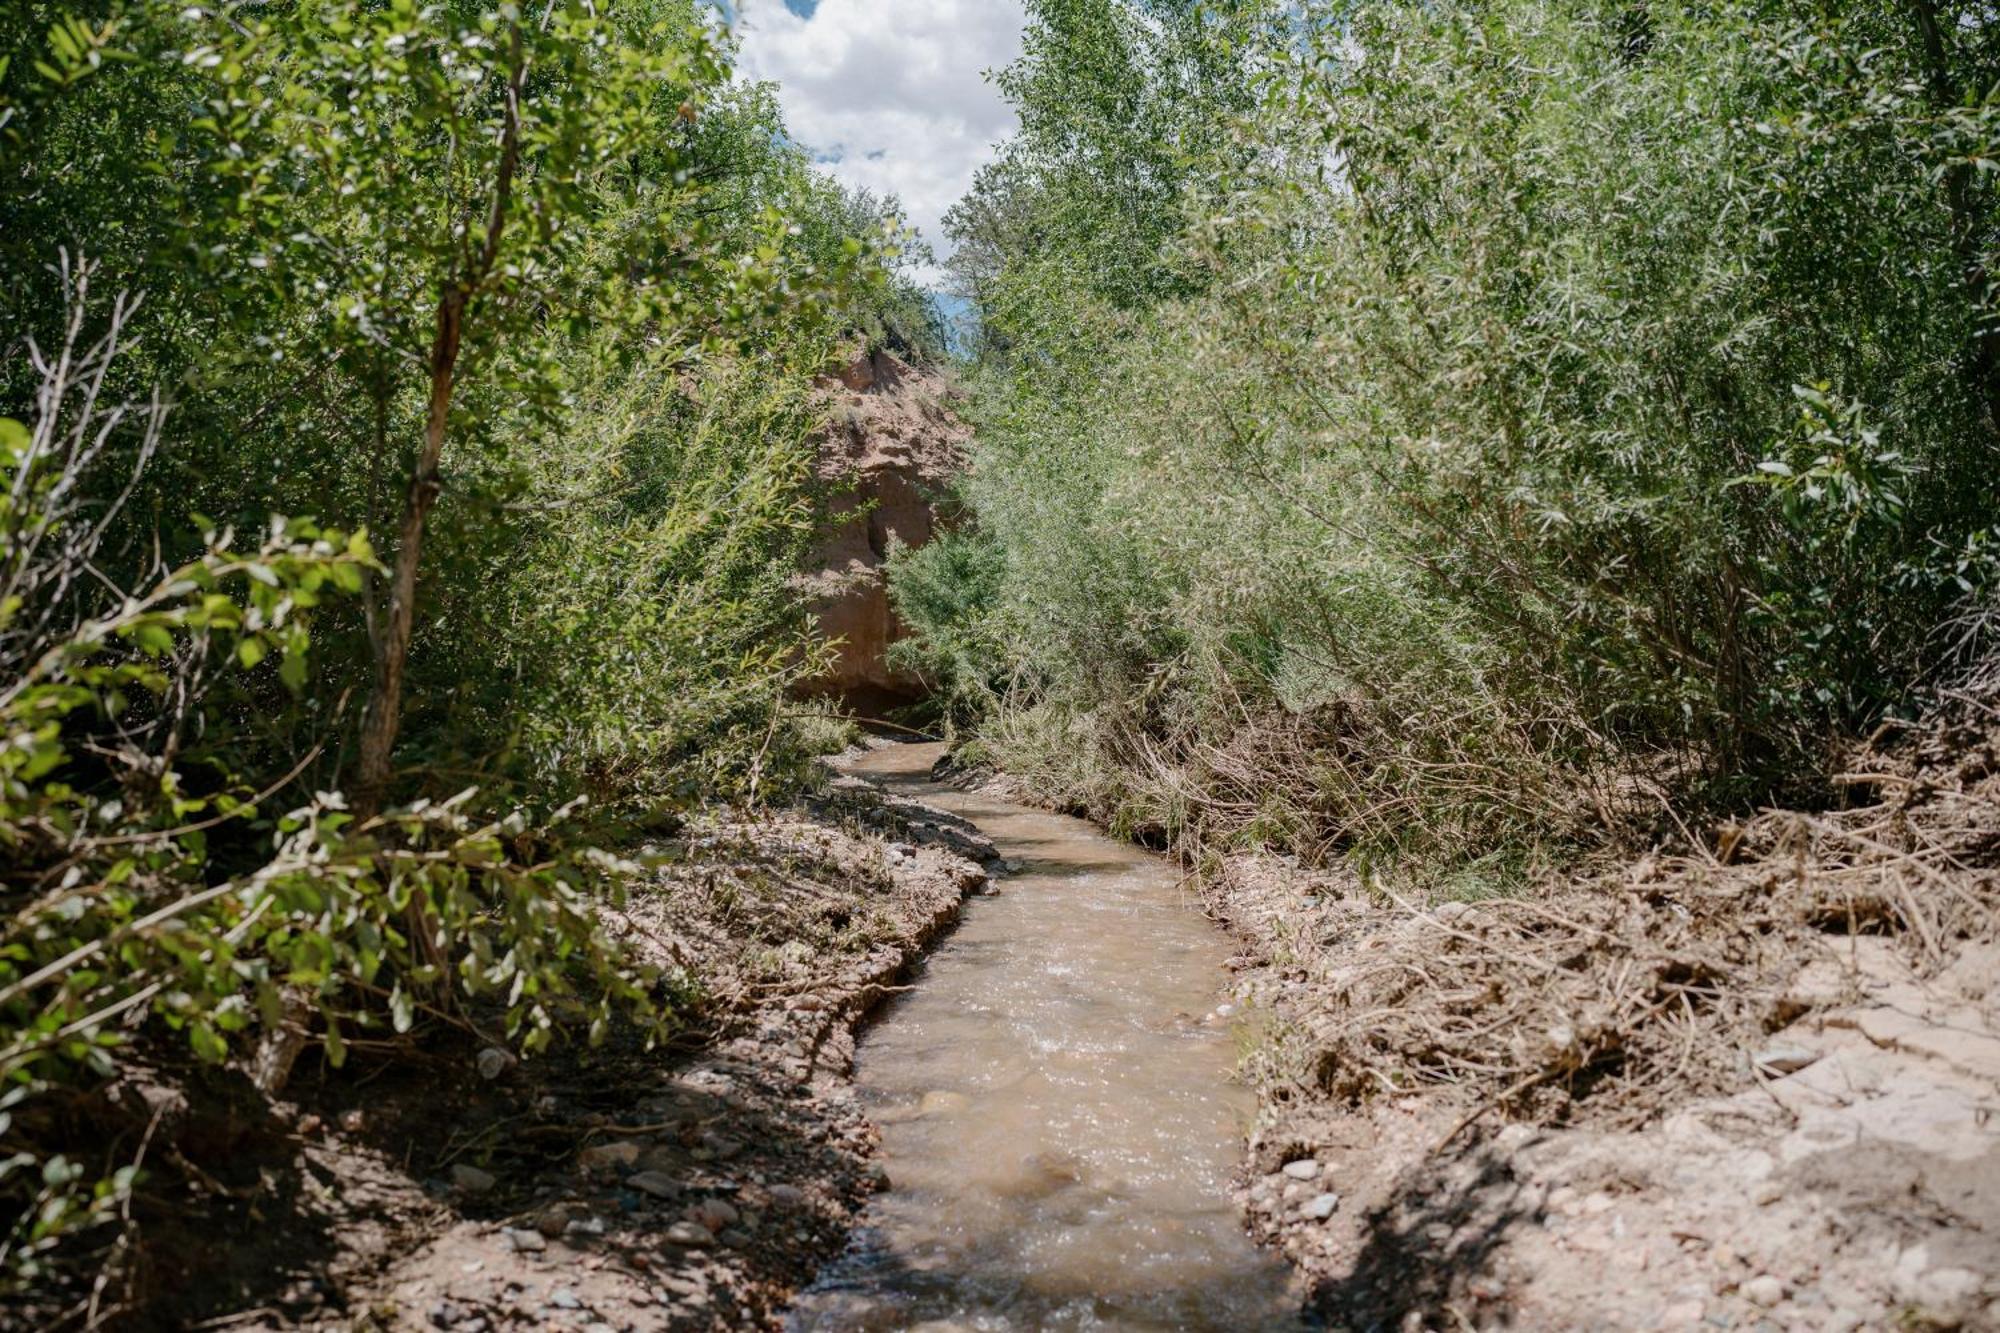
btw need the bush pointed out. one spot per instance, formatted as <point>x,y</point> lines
<point>519,322</point>
<point>1551,423</point>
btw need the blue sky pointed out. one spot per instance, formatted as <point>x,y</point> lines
<point>889,95</point>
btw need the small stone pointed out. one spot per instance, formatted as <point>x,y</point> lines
<point>584,1227</point>
<point>690,1234</point>
<point>492,1063</point>
<point>1766,1291</point>
<point>1304,1169</point>
<point>471,1179</point>
<point>1945,1291</point>
<point>1784,1058</point>
<point>656,1183</point>
<point>353,1121</point>
<point>526,1242</point>
<point>1322,1207</point>
<point>608,1156</point>
<point>787,1196</point>
<point>565,1299</point>
<point>714,1214</point>
<point>1767,1192</point>
<point>555,1219</point>
<point>734,1238</point>
<point>444,1314</point>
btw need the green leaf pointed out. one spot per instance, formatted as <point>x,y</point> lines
<point>153,638</point>
<point>207,1042</point>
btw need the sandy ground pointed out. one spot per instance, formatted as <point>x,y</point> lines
<point>1853,1182</point>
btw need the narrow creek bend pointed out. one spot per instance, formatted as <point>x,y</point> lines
<point>1057,1125</point>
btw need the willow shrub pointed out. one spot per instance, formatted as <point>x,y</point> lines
<point>1582,408</point>
<point>281,210</point>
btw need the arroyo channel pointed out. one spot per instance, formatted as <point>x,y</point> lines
<point>1058,1125</point>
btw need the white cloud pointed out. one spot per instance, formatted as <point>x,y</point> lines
<point>890,94</point>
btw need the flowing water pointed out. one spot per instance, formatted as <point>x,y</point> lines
<point>1057,1125</point>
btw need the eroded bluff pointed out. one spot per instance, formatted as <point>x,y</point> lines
<point>891,445</point>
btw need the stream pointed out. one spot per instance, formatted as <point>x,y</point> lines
<point>1058,1125</point>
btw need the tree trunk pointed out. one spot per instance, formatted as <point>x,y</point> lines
<point>378,731</point>
<point>280,1048</point>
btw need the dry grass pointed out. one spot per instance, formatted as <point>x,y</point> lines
<point>1615,995</point>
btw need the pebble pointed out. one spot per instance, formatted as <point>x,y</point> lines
<point>691,1234</point>
<point>1304,1169</point>
<point>1322,1207</point>
<point>471,1179</point>
<point>526,1242</point>
<point>1784,1058</point>
<point>714,1214</point>
<point>656,1183</point>
<point>787,1196</point>
<point>1766,1291</point>
<point>604,1156</point>
<point>555,1219</point>
<point>565,1299</point>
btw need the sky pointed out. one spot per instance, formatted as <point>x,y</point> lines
<point>889,95</point>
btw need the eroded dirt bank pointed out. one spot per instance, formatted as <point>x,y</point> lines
<point>696,1188</point>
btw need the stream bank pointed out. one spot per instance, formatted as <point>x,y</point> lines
<point>439,1184</point>
<point>1750,1081</point>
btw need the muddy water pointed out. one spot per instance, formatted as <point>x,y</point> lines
<point>1058,1126</point>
